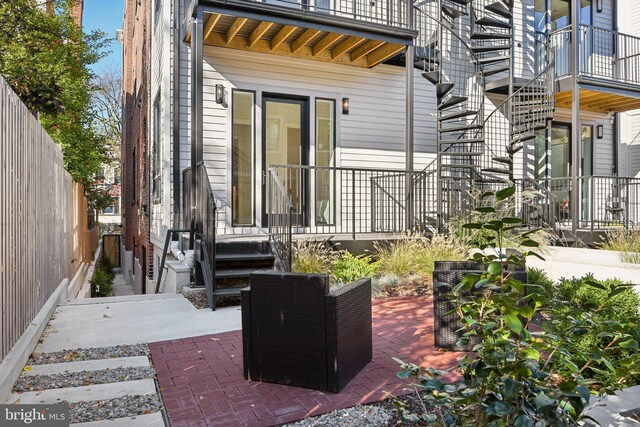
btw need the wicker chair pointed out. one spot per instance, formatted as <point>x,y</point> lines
<point>447,325</point>
<point>296,332</point>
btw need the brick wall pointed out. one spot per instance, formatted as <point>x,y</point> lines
<point>135,136</point>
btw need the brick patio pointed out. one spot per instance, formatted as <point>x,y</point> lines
<point>202,383</point>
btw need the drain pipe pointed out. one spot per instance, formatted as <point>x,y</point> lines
<point>176,114</point>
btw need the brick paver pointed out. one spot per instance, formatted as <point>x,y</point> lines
<point>202,383</point>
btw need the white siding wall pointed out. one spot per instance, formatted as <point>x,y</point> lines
<point>371,136</point>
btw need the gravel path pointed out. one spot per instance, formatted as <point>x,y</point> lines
<point>127,406</point>
<point>89,354</point>
<point>84,378</point>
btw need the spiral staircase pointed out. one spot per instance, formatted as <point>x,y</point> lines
<point>464,47</point>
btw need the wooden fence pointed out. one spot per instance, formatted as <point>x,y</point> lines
<point>43,219</point>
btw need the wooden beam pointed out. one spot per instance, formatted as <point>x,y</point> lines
<point>235,27</point>
<point>366,49</point>
<point>211,23</point>
<point>187,38</point>
<point>305,38</point>
<point>383,53</point>
<point>326,42</point>
<point>282,35</point>
<point>260,30</point>
<point>347,45</point>
<point>241,42</point>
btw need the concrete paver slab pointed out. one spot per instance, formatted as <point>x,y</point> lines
<point>85,394</point>
<point>88,365</point>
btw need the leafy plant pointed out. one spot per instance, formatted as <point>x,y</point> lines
<point>351,267</point>
<point>625,241</point>
<point>101,283</point>
<point>416,255</point>
<point>537,276</point>
<point>311,257</point>
<point>515,376</point>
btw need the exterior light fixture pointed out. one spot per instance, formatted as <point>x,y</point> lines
<point>599,5</point>
<point>600,131</point>
<point>221,95</point>
<point>345,105</point>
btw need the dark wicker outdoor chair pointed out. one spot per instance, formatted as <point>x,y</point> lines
<point>447,325</point>
<point>296,332</point>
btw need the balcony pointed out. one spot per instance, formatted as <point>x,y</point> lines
<point>608,68</point>
<point>353,32</point>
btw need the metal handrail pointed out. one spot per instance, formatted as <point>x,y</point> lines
<point>280,234</point>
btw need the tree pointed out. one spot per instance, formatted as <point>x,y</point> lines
<point>106,102</point>
<point>44,57</point>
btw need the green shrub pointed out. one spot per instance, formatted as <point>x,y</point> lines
<point>518,376</point>
<point>537,276</point>
<point>313,257</point>
<point>625,241</point>
<point>416,255</point>
<point>586,295</point>
<point>101,283</point>
<point>350,267</point>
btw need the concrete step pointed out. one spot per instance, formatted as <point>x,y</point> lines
<point>84,394</point>
<point>149,420</point>
<point>125,298</point>
<point>88,365</point>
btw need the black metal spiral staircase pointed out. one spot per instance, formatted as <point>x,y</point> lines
<point>464,46</point>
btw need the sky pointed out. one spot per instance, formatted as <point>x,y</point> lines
<point>105,15</point>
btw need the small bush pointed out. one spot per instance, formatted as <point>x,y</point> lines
<point>350,267</point>
<point>537,276</point>
<point>625,241</point>
<point>416,255</point>
<point>313,257</point>
<point>101,283</point>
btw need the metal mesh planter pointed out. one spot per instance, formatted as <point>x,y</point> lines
<point>447,325</point>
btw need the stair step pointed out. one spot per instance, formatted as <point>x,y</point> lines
<point>461,128</point>
<point>88,365</point>
<point>461,153</point>
<point>513,149</point>
<point>493,22</point>
<point>523,138</point>
<point>499,8</point>
<point>461,141</point>
<point>508,3</point>
<point>238,273</point>
<point>432,76</point>
<point>425,65</point>
<point>496,71</point>
<point>453,12</point>
<point>490,36</point>
<point>452,101</point>
<point>460,166</point>
<point>496,170</point>
<point>86,393</point>
<point>244,257</point>
<point>490,48</point>
<point>442,89</point>
<point>461,2</point>
<point>226,292</point>
<point>505,160</point>
<point>493,59</point>
<point>457,115</point>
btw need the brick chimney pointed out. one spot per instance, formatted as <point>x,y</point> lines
<point>77,10</point>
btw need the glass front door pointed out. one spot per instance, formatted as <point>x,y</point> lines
<point>285,139</point>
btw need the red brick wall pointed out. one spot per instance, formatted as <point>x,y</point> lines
<point>135,133</point>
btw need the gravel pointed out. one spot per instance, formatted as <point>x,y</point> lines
<point>126,406</point>
<point>78,379</point>
<point>199,299</point>
<point>369,415</point>
<point>89,354</point>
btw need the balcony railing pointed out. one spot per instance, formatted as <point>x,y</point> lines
<point>602,54</point>
<point>383,12</point>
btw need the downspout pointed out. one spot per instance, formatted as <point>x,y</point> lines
<point>409,60</point>
<point>176,114</point>
<point>576,134</point>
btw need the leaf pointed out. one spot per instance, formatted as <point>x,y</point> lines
<point>494,268</point>
<point>472,226</point>
<point>630,344</point>
<point>485,209</point>
<point>513,323</point>
<point>529,243</point>
<point>596,285</point>
<point>542,400</point>
<point>504,193</point>
<point>617,290</point>
<point>511,220</point>
<point>531,353</point>
<point>526,311</point>
<point>500,408</point>
<point>568,387</point>
<point>511,388</point>
<point>27,368</point>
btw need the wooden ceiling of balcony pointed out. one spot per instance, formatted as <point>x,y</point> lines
<point>295,41</point>
<point>599,102</point>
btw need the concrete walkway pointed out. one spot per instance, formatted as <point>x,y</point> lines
<point>120,287</point>
<point>136,319</point>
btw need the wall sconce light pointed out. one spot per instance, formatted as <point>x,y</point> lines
<point>345,105</point>
<point>221,95</point>
<point>600,131</point>
<point>599,5</point>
